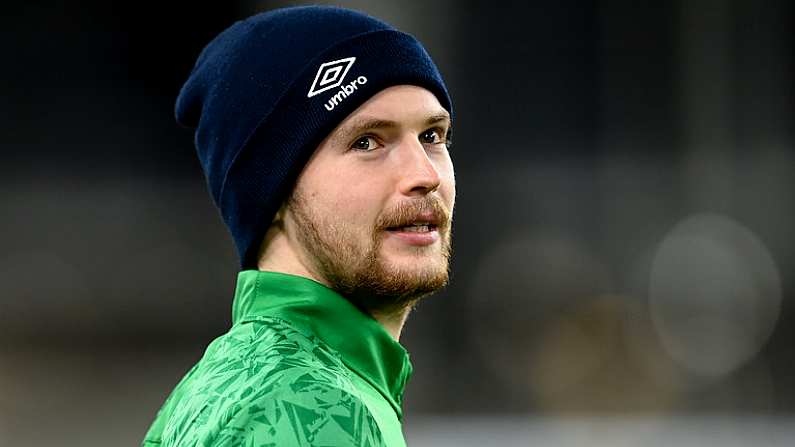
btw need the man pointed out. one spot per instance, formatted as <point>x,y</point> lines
<point>323,134</point>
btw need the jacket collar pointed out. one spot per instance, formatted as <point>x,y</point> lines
<point>364,345</point>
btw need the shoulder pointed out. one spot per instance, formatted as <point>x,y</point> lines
<point>266,382</point>
<point>308,414</point>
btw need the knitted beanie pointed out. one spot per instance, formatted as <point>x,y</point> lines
<point>266,91</point>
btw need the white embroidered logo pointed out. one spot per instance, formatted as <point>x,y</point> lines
<point>344,92</point>
<point>330,75</point>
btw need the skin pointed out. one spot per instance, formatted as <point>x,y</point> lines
<point>386,163</point>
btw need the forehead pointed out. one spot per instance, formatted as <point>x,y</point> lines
<point>407,104</point>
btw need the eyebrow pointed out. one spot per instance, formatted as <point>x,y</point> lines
<point>365,124</point>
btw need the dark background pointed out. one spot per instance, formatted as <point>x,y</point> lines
<point>624,237</point>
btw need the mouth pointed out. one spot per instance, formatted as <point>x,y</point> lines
<point>416,227</point>
<point>421,230</point>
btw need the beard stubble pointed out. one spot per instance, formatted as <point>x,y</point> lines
<point>354,267</point>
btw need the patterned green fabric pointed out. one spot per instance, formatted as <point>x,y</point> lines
<point>301,366</point>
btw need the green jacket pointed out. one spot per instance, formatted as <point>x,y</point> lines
<point>301,366</point>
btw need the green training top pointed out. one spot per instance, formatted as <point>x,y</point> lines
<point>301,366</point>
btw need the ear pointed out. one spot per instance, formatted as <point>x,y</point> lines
<point>278,218</point>
<point>276,227</point>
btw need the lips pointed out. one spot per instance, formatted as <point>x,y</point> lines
<point>418,230</point>
<point>415,228</point>
<point>421,222</point>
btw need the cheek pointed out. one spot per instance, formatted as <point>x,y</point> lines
<point>345,199</point>
<point>447,177</point>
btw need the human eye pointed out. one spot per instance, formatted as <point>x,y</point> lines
<point>365,143</point>
<point>434,136</point>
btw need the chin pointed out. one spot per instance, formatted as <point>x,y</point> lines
<point>422,267</point>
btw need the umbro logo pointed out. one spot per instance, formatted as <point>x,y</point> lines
<point>331,75</point>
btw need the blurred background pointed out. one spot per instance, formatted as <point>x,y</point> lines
<point>625,231</point>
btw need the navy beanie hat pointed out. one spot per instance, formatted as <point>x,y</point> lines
<point>267,90</point>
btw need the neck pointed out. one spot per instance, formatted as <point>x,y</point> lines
<point>276,255</point>
<point>392,321</point>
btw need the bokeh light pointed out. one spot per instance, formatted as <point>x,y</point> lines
<point>715,294</point>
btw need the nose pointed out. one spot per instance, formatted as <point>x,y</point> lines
<point>418,173</point>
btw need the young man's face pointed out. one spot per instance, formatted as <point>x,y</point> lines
<point>371,212</point>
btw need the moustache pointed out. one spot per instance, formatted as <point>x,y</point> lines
<point>429,210</point>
